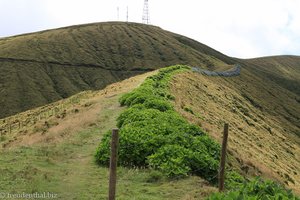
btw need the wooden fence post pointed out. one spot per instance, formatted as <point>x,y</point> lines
<point>223,159</point>
<point>113,164</point>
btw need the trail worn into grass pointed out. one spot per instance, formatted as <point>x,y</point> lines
<point>66,149</point>
<point>60,159</point>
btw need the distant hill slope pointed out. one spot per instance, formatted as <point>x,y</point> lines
<point>42,67</point>
<point>282,70</point>
<point>272,85</point>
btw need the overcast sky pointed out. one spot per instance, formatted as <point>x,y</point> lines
<point>239,28</point>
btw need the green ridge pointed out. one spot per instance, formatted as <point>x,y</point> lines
<point>153,135</point>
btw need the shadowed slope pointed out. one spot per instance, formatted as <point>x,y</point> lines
<point>282,70</point>
<point>43,67</point>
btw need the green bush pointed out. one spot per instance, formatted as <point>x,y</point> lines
<point>233,180</point>
<point>158,104</point>
<point>153,135</point>
<point>204,161</point>
<point>136,113</point>
<point>171,159</point>
<point>256,189</point>
<point>103,151</point>
<point>144,131</point>
<point>137,97</point>
<point>123,98</point>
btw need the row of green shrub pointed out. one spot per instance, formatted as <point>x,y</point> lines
<point>153,135</point>
<point>256,189</point>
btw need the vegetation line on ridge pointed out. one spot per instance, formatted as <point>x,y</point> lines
<point>154,135</point>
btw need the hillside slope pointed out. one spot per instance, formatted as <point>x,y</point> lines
<point>262,104</point>
<point>282,70</point>
<point>262,107</point>
<point>59,157</point>
<point>42,67</point>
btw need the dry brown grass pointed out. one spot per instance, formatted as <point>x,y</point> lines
<point>262,142</point>
<point>76,117</point>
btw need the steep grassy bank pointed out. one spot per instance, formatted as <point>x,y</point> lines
<point>263,118</point>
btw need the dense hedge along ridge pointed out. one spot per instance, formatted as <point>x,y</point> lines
<point>153,135</point>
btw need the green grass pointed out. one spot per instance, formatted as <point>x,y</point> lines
<point>256,189</point>
<point>58,168</point>
<point>68,169</point>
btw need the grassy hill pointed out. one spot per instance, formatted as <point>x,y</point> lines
<point>56,152</point>
<point>261,106</point>
<point>55,143</point>
<point>282,70</point>
<point>43,67</point>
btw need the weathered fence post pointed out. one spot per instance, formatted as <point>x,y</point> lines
<point>113,164</point>
<point>223,159</point>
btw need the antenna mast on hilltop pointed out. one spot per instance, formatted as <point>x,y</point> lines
<point>118,13</point>
<point>146,17</point>
<point>127,14</point>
